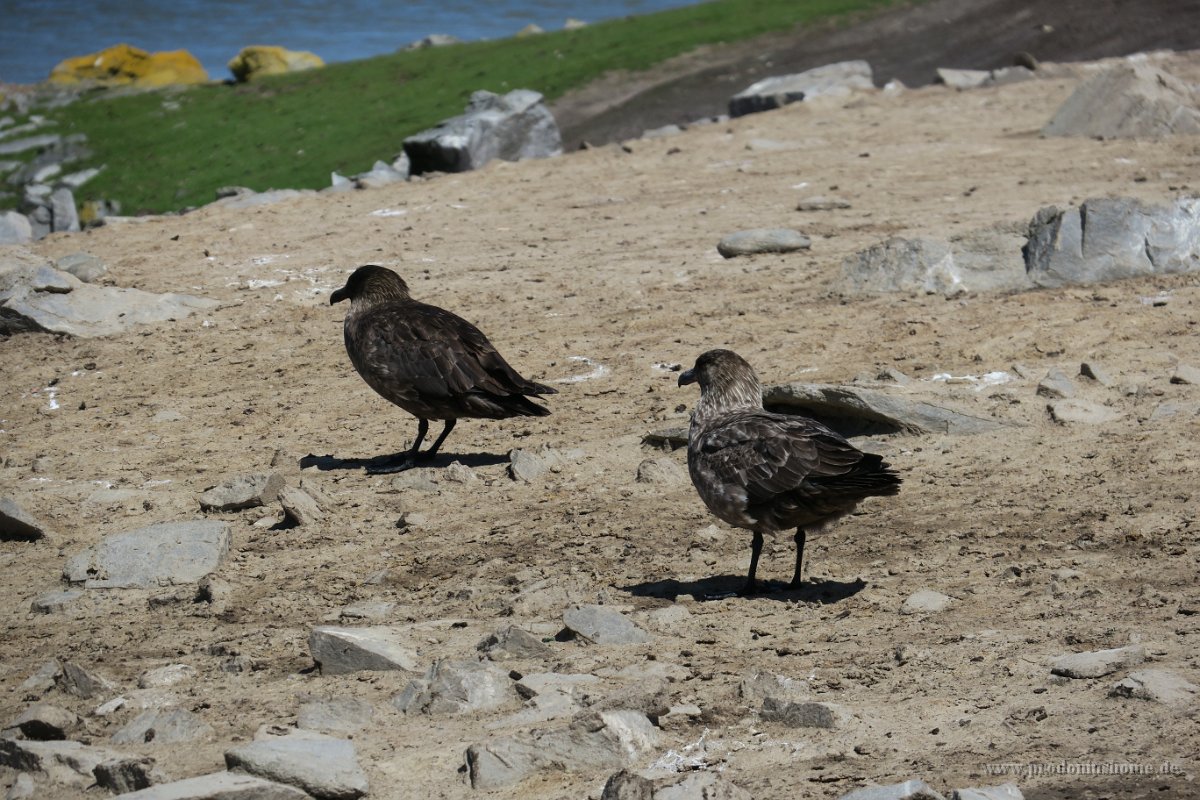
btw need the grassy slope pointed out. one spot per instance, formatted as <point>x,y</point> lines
<point>169,150</point>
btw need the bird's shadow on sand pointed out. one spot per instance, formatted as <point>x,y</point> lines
<point>721,587</point>
<point>440,460</point>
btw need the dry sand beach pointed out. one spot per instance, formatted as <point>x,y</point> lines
<point>597,273</point>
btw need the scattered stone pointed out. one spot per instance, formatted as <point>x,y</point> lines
<point>1186,374</point>
<point>667,438</point>
<point>456,687</point>
<point>299,507</point>
<point>83,682</point>
<point>128,774</point>
<point>602,625</point>
<point>1098,663</point>
<point>853,411</point>
<point>418,480</point>
<point>513,643</point>
<point>65,762</point>
<point>324,767</point>
<point>1107,239</point>
<point>341,715</point>
<point>593,741</point>
<point>1130,101</point>
<point>963,78</point>
<point>16,524</point>
<point>1158,685</point>
<point>526,466</point>
<point>802,715</point>
<point>908,790</point>
<point>986,260</point>
<point>45,722</point>
<point>1056,384</point>
<point>822,203</point>
<point>762,240</point>
<point>339,651</point>
<point>831,80</point>
<point>762,685</point>
<point>219,786</point>
<point>1080,412</point>
<point>457,472</point>
<point>926,601</point>
<point>170,675</point>
<point>242,491</point>
<point>511,127</point>
<point>380,611</point>
<point>163,726</point>
<point>661,472</point>
<point>1090,369</point>
<point>1006,791</point>
<point>166,554</point>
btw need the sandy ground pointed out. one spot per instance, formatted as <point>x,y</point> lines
<point>1051,538</point>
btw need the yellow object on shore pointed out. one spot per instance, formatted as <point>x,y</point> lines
<point>262,59</point>
<point>125,65</point>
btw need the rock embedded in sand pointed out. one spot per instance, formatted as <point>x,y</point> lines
<point>1056,384</point>
<point>908,790</point>
<point>926,601</point>
<point>325,767</point>
<point>242,491</point>
<point>1157,685</point>
<point>601,625</point>
<point>17,524</point>
<point>220,785</point>
<point>164,726</point>
<point>168,553</point>
<point>762,240</point>
<point>44,721</point>
<point>457,687</point>
<point>1005,791</point>
<point>1098,663</point>
<point>339,651</point>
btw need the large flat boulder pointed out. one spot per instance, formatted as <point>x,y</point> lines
<point>511,127</point>
<point>166,554</point>
<point>982,261</point>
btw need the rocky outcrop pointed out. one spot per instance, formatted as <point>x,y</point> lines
<point>513,126</point>
<point>260,60</point>
<point>125,65</point>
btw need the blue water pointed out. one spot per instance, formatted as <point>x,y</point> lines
<point>37,34</point>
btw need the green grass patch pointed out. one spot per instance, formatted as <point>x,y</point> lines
<point>168,150</point>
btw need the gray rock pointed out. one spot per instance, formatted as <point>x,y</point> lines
<point>1056,384</point>
<point>457,472</point>
<point>22,788</point>
<point>526,466</point>
<point>762,240</point>
<point>1158,685</point>
<point>325,768</point>
<point>926,601</point>
<point>74,180</point>
<point>84,266</point>
<point>17,524</point>
<point>1109,239</point>
<point>170,675</point>
<point>15,228</point>
<point>299,507</point>
<point>41,681</point>
<point>822,203</point>
<point>382,174</point>
<point>1186,374</point>
<point>166,554</point>
<point>163,726</point>
<point>44,722</point>
<point>866,412</point>
<point>83,682</point>
<point>982,261</point>
<point>1098,663</point>
<point>456,687</point>
<point>127,774</point>
<point>87,310</point>
<point>242,491</point>
<point>602,625</point>
<point>343,715</point>
<point>418,480</point>
<point>65,762</point>
<point>801,715</point>
<point>219,786</point>
<point>63,214</point>
<point>1008,75</point>
<point>661,472</point>
<point>831,80</point>
<point>1092,370</point>
<point>667,438</point>
<point>29,143</point>
<point>761,685</point>
<point>1080,412</point>
<point>1128,101</point>
<point>513,643</point>
<point>510,127</point>
<point>963,78</point>
<point>662,132</point>
<point>908,790</point>
<point>339,651</point>
<point>593,741</point>
<point>433,40</point>
<point>1005,791</point>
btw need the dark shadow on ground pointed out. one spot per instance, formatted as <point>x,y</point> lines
<point>720,587</point>
<point>327,463</point>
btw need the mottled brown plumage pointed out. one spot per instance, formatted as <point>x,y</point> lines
<point>430,362</point>
<point>768,472</point>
